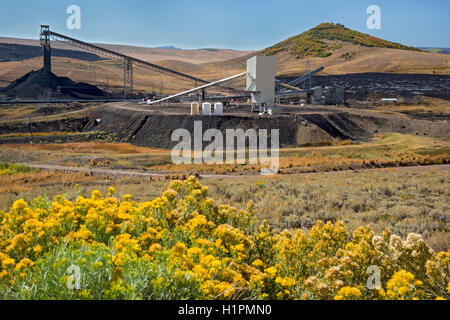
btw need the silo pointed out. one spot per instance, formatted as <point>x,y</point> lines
<point>206,109</point>
<point>195,109</point>
<point>218,109</point>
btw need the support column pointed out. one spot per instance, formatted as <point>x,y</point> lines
<point>127,76</point>
<point>48,59</point>
<point>203,95</point>
<point>124,78</point>
<point>47,50</point>
<point>131,78</point>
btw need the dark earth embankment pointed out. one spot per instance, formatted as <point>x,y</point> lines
<point>154,129</point>
<point>66,125</point>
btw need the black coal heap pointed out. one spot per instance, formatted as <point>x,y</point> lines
<point>35,84</point>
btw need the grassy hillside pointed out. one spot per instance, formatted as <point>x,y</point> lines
<point>323,39</point>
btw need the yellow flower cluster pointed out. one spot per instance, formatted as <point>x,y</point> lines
<point>403,286</point>
<point>348,293</point>
<point>182,245</point>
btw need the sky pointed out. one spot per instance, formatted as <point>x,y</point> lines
<point>232,24</point>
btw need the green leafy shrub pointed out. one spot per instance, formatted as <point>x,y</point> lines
<point>7,168</point>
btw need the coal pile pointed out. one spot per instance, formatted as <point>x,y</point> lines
<point>40,84</point>
<point>389,84</point>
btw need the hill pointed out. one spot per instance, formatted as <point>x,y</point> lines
<point>323,39</point>
<point>19,52</point>
<point>341,51</point>
<point>169,47</point>
<point>144,53</point>
<point>436,50</point>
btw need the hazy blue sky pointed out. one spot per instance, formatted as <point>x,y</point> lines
<point>236,24</point>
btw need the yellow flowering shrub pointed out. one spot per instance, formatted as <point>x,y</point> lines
<point>403,286</point>
<point>348,293</point>
<point>182,245</point>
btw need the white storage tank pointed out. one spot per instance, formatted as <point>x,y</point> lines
<point>389,100</point>
<point>195,109</point>
<point>206,109</point>
<point>218,109</point>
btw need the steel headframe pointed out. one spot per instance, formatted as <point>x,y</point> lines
<point>47,50</point>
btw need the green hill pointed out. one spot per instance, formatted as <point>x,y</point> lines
<point>323,39</point>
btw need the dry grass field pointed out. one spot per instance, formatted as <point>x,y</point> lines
<point>384,150</point>
<point>356,59</point>
<point>429,107</point>
<point>95,147</point>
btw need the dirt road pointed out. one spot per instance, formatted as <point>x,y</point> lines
<point>152,174</point>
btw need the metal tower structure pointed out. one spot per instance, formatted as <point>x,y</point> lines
<point>308,76</point>
<point>127,76</point>
<point>45,43</point>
